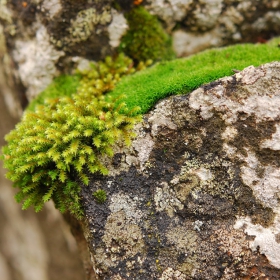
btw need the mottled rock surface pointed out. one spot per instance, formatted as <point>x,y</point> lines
<point>197,194</point>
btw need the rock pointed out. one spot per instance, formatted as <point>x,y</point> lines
<point>196,196</point>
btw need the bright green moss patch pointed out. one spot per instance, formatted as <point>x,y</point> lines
<point>145,88</point>
<point>145,38</point>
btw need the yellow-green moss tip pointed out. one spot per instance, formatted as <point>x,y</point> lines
<point>100,196</point>
<point>145,38</point>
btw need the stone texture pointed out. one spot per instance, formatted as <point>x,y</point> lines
<point>200,199</point>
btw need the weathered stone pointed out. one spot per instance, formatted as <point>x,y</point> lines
<point>200,199</point>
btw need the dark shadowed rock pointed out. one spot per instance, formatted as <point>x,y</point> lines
<point>197,194</point>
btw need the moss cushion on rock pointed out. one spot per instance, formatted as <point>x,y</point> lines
<point>183,75</point>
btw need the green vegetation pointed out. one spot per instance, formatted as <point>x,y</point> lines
<point>145,38</point>
<point>75,122</point>
<point>178,76</point>
<point>64,140</point>
<point>100,196</point>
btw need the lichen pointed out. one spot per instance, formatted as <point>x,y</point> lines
<point>82,27</point>
<point>117,28</point>
<point>36,60</point>
<point>122,238</point>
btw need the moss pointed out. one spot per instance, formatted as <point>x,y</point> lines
<point>100,196</point>
<point>145,39</point>
<point>59,143</point>
<point>179,76</point>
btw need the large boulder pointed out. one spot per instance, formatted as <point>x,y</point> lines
<point>196,196</point>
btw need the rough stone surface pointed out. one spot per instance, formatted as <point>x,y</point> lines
<point>200,199</point>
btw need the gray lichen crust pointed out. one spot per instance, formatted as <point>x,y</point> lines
<point>200,200</point>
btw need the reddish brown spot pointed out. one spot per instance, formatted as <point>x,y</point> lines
<point>102,117</point>
<point>137,2</point>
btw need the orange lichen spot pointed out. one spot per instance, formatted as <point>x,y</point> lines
<point>137,2</point>
<point>24,4</point>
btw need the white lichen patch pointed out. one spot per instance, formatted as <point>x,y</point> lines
<point>82,63</point>
<point>266,188</point>
<point>161,118</point>
<point>36,61</point>
<point>203,174</point>
<point>144,146</point>
<point>166,200</point>
<point>264,105</point>
<point>120,201</point>
<point>117,28</point>
<point>122,239</point>
<point>53,7</point>
<point>274,142</point>
<point>170,273</point>
<point>229,133</point>
<point>265,238</point>
<point>250,75</point>
<point>230,150</point>
<point>230,241</point>
<point>186,43</point>
<point>169,11</point>
<point>206,14</point>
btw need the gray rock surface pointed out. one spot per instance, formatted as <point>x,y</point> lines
<point>196,196</point>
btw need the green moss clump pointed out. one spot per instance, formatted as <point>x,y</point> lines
<point>183,75</point>
<point>100,196</point>
<point>65,138</point>
<point>145,39</point>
